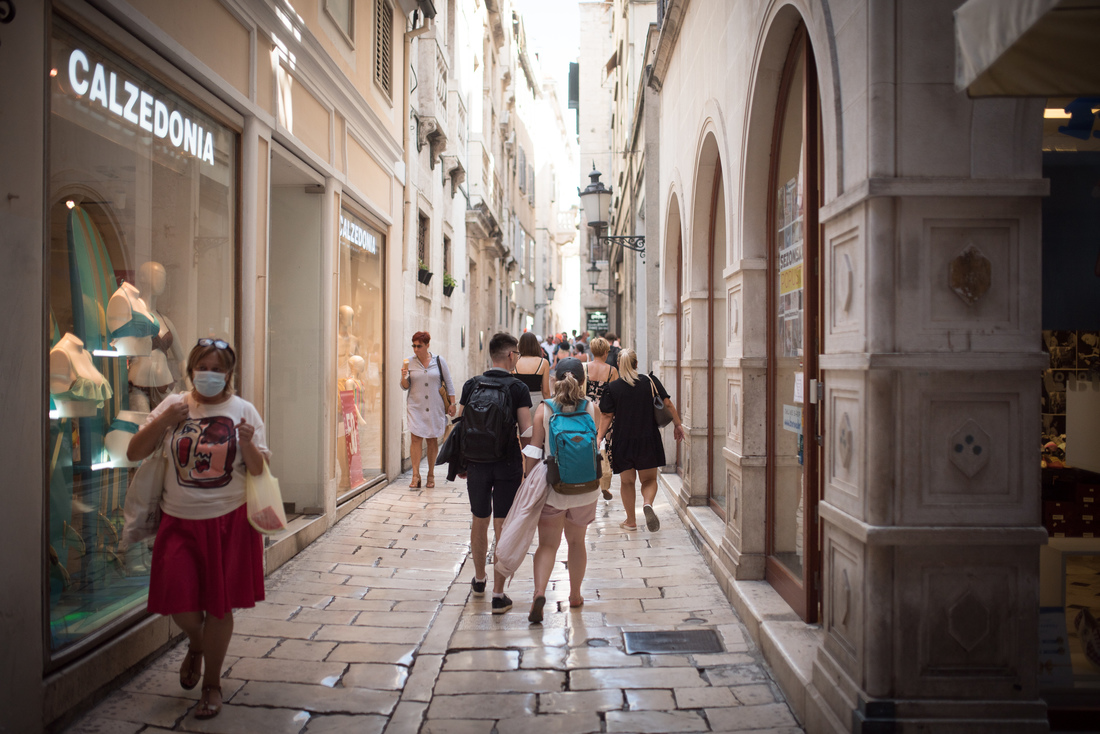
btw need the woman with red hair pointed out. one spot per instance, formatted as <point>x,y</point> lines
<point>422,375</point>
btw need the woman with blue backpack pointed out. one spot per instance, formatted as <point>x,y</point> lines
<point>564,438</point>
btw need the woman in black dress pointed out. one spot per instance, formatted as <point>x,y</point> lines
<point>637,450</point>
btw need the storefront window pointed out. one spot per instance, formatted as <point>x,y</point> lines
<point>142,263</point>
<point>359,365</point>
<point>787,454</point>
<point>1069,593</point>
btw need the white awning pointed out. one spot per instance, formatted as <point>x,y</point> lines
<point>1028,48</point>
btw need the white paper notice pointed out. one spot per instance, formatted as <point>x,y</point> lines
<point>798,387</point>
<point>792,418</point>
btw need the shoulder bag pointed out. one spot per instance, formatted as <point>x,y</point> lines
<point>443,386</point>
<point>141,511</point>
<point>661,412</point>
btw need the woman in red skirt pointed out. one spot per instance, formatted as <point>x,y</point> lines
<point>207,559</point>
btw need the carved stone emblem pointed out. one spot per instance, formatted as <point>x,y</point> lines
<point>971,275</point>
<point>968,621</point>
<point>968,448</point>
<point>844,283</point>
<point>843,598</point>
<point>845,438</point>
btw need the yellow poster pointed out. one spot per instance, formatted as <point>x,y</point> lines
<point>790,280</point>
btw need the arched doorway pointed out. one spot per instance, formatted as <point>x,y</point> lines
<point>707,289</point>
<point>794,420</point>
<point>673,305</point>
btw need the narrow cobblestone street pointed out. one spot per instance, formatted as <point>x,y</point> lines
<point>373,629</point>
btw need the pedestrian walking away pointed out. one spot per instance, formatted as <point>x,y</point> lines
<point>599,374</point>
<point>613,351</point>
<point>431,399</point>
<point>565,511</point>
<point>207,559</point>
<point>532,369</point>
<point>493,405</point>
<point>637,451</point>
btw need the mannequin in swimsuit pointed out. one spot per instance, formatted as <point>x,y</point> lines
<point>78,388</point>
<point>131,323</point>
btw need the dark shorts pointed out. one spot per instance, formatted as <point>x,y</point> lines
<point>492,487</point>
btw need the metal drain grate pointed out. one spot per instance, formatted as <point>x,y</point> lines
<point>677,641</point>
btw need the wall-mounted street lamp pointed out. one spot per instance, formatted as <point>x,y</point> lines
<point>549,296</point>
<point>596,202</point>
<point>594,279</point>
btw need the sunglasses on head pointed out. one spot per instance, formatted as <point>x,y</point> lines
<point>216,343</point>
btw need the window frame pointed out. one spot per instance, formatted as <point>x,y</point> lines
<point>349,32</point>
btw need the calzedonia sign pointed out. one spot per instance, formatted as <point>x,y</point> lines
<point>353,234</point>
<point>127,101</point>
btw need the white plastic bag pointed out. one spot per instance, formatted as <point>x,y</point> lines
<point>265,502</point>
<point>141,512</point>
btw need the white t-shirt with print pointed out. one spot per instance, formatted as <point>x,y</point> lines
<point>206,470</point>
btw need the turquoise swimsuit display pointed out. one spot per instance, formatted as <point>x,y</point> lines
<point>139,325</point>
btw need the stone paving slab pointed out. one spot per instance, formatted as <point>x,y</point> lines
<point>373,629</point>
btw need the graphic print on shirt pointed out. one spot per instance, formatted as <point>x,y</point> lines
<point>204,450</point>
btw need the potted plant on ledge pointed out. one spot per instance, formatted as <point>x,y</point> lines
<point>448,284</point>
<point>423,274</point>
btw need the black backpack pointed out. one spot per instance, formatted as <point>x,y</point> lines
<point>488,420</point>
<point>613,357</point>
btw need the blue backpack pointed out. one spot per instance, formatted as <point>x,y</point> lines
<point>573,464</point>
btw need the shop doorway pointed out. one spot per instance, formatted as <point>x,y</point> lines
<point>296,344</point>
<point>795,421</point>
<point>1069,577</point>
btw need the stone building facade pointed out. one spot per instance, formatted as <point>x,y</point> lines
<point>849,262</point>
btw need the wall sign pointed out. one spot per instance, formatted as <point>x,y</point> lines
<point>596,322</point>
<point>355,235</point>
<point>128,101</point>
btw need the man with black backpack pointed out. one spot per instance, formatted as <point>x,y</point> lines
<point>493,406</point>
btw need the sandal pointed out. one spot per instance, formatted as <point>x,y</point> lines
<point>415,483</point>
<point>535,617</point>
<point>430,483</point>
<point>189,676</point>
<point>625,526</point>
<point>205,709</point>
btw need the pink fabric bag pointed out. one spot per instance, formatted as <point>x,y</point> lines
<point>519,527</point>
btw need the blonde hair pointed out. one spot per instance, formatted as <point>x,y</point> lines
<point>568,392</point>
<point>599,347</point>
<point>628,366</point>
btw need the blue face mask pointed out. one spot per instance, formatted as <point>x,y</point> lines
<point>209,384</point>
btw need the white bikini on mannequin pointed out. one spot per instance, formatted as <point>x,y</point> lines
<point>71,363</point>
<point>347,344</point>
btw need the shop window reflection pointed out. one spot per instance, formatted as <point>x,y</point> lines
<point>360,374</point>
<point>142,238</point>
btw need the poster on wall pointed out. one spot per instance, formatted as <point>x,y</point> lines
<point>789,258</point>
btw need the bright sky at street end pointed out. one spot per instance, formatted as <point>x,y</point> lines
<point>553,33</point>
